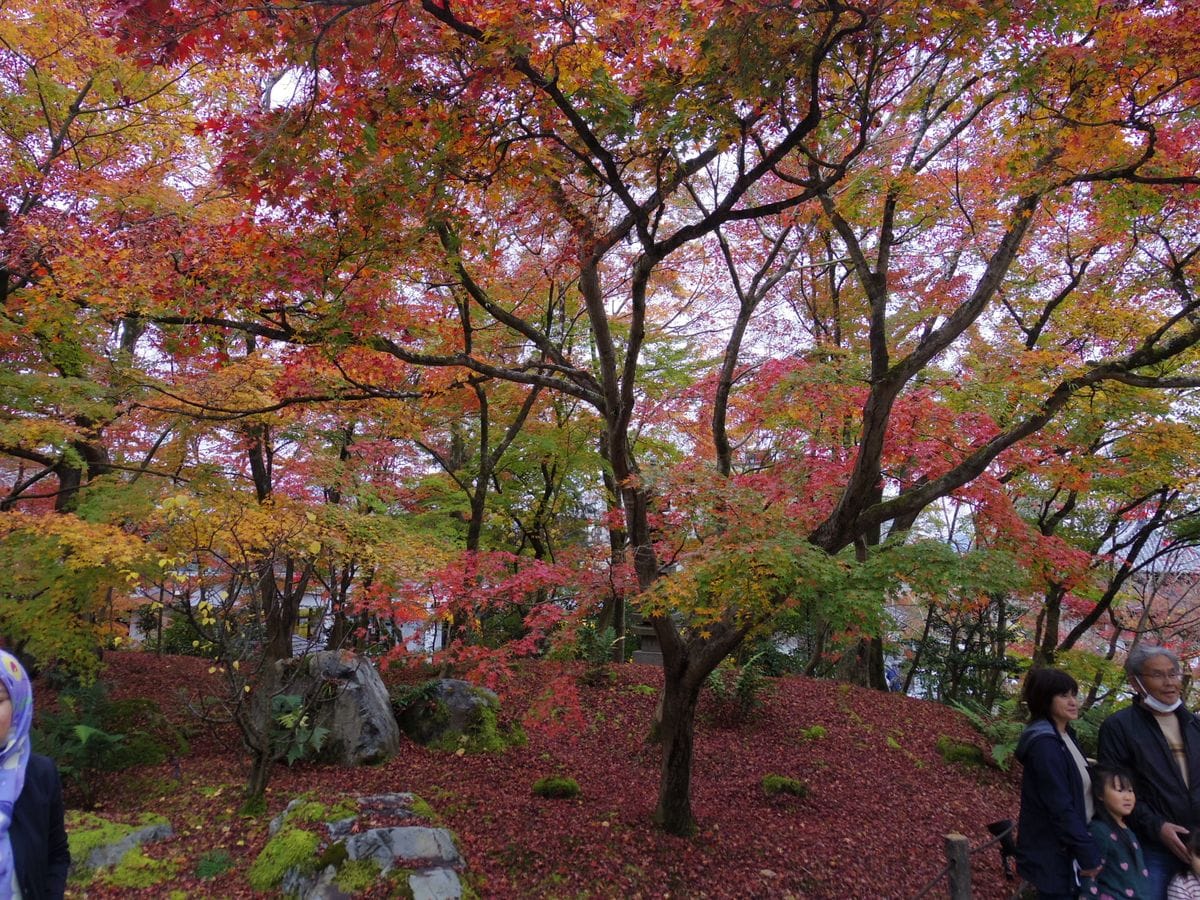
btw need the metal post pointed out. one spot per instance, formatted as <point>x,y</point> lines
<point>958,855</point>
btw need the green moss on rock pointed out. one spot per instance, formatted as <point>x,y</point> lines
<point>289,848</point>
<point>422,808</point>
<point>357,875</point>
<point>556,786</point>
<point>88,831</point>
<point>136,870</point>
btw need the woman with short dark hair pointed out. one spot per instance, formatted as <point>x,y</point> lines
<point>1053,841</point>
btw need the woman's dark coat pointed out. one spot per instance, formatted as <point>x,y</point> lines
<point>39,839</point>
<point>1052,829</point>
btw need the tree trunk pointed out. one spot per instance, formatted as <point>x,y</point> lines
<point>677,730</point>
<point>1047,647</point>
<point>260,775</point>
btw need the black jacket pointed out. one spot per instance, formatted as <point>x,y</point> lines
<point>39,838</point>
<point>1132,740</point>
<point>1052,830</point>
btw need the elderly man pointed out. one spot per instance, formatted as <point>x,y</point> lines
<point>1157,740</point>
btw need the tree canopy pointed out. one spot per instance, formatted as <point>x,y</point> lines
<point>702,309</point>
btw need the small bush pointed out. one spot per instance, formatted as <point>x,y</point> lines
<point>953,751</point>
<point>293,736</point>
<point>91,733</point>
<point>774,785</point>
<point>812,733</point>
<point>737,691</point>
<point>556,787</point>
<point>1001,731</point>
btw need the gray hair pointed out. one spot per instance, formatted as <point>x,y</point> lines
<point>1136,661</point>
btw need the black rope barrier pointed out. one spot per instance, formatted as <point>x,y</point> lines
<point>1002,836</point>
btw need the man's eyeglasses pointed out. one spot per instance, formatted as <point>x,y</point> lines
<point>1173,675</point>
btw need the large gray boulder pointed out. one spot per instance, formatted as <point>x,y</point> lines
<point>352,703</point>
<point>447,709</point>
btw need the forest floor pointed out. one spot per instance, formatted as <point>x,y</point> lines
<point>881,798</point>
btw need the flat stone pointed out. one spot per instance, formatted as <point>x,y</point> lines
<point>341,827</point>
<point>435,884</point>
<point>413,845</point>
<point>396,804</point>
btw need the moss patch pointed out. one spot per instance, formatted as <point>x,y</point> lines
<point>136,870</point>
<point>774,785</point>
<point>87,831</point>
<point>556,786</point>
<point>421,808</point>
<point>357,875</point>
<point>960,752</point>
<point>290,848</point>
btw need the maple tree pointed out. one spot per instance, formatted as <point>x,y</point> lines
<point>977,206</point>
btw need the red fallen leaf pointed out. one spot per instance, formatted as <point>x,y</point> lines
<point>877,833</point>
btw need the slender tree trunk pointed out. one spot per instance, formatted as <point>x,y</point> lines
<point>260,775</point>
<point>1047,647</point>
<point>916,661</point>
<point>677,730</point>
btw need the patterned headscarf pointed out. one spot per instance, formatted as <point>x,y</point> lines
<point>13,758</point>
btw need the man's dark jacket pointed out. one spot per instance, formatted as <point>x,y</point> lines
<point>39,840</point>
<point>1052,830</point>
<point>1131,740</point>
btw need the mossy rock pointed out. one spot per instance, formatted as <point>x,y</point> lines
<point>961,752</point>
<point>290,848</point>
<point>136,870</point>
<point>357,875</point>
<point>556,787</point>
<point>453,715</point>
<point>88,832</point>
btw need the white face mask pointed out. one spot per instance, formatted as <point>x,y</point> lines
<point>1155,704</point>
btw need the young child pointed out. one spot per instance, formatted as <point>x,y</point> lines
<point>1123,873</point>
<point>1186,885</point>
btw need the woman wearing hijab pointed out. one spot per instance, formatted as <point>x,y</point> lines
<point>33,839</point>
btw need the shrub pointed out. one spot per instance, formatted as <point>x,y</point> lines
<point>556,787</point>
<point>180,637</point>
<point>774,785</point>
<point>90,733</point>
<point>736,691</point>
<point>1001,731</point>
<point>293,736</point>
<point>812,733</point>
<point>596,649</point>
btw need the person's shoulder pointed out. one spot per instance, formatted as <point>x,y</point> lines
<point>41,770</point>
<point>1122,718</point>
<point>1102,829</point>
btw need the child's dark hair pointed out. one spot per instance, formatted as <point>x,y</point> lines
<point>1192,842</point>
<point>1042,685</point>
<point>1102,777</point>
